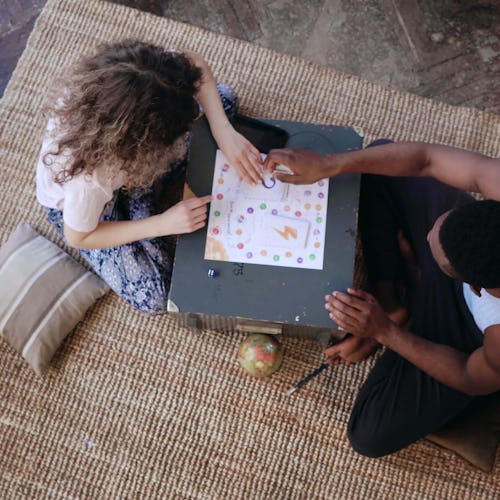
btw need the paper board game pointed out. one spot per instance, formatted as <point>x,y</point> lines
<point>273,223</point>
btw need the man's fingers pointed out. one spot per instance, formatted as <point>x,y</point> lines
<point>361,294</point>
<point>344,303</point>
<point>276,157</point>
<point>346,316</point>
<point>348,323</point>
<point>354,301</point>
<point>288,178</point>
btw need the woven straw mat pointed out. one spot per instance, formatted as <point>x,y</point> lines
<point>139,407</point>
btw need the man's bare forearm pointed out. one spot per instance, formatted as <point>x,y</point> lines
<point>444,363</point>
<point>456,167</point>
<point>395,159</point>
<point>462,169</point>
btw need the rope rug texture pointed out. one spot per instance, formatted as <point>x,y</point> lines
<point>138,407</point>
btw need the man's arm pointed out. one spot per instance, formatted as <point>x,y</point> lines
<point>478,373</point>
<point>474,374</point>
<point>456,167</point>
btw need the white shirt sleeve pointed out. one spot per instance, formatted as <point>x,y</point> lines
<point>84,201</point>
<point>82,198</point>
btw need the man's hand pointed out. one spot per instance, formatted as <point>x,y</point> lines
<point>307,167</point>
<point>358,313</point>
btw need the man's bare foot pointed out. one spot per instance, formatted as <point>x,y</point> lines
<point>351,350</point>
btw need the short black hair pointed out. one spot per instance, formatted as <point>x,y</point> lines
<point>470,237</point>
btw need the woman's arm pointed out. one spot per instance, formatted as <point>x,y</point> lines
<point>240,152</point>
<point>184,217</point>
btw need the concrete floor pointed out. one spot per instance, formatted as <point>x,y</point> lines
<point>447,50</point>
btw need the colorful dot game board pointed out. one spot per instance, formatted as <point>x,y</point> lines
<point>272,223</point>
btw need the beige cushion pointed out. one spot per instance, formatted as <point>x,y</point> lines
<point>475,433</point>
<point>44,293</point>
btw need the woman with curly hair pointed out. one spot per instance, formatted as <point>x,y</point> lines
<point>118,129</point>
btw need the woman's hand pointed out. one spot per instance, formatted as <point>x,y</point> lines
<point>184,217</point>
<point>241,153</point>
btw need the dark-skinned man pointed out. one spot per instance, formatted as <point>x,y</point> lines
<point>432,254</point>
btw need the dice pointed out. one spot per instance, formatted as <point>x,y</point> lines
<point>212,273</point>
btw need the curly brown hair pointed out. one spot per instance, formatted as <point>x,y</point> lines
<point>123,106</point>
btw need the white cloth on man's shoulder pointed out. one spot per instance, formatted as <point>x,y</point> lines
<point>485,309</point>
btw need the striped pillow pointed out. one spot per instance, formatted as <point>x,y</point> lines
<point>44,293</point>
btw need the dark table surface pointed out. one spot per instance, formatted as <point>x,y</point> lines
<point>263,292</point>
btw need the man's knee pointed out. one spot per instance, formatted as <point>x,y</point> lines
<point>373,433</point>
<point>364,441</point>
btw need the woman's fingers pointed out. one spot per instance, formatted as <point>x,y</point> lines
<point>246,175</point>
<point>250,161</point>
<point>251,166</point>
